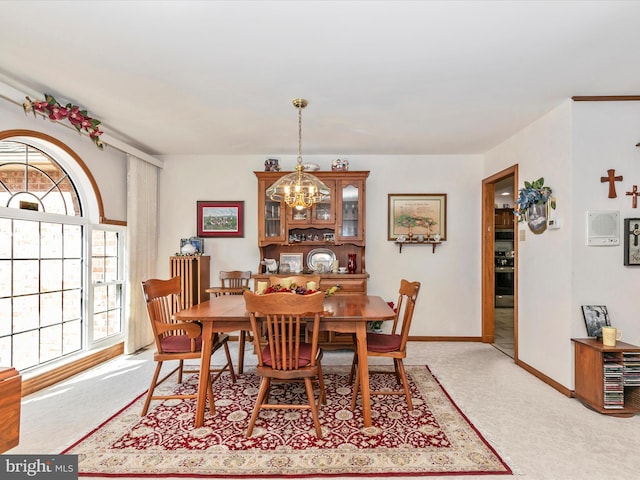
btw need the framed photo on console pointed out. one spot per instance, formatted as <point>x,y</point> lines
<point>595,317</point>
<point>294,260</point>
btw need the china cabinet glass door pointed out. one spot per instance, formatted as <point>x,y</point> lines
<point>350,228</point>
<point>273,223</point>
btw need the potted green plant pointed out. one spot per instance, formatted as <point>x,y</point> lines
<point>533,203</point>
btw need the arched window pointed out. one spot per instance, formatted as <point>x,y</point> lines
<point>61,277</point>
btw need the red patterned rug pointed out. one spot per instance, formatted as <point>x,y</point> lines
<point>434,439</point>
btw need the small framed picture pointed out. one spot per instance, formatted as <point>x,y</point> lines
<point>294,260</point>
<point>220,219</point>
<point>595,317</point>
<point>632,241</point>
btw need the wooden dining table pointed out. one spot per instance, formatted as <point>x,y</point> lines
<point>343,313</point>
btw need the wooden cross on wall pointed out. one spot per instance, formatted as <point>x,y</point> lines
<point>611,178</point>
<point>634,192</point>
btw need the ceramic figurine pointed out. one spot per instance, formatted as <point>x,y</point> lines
<point>272,165</point>
<point>340,165</point>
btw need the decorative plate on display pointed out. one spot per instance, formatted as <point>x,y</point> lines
<point>320,259</point>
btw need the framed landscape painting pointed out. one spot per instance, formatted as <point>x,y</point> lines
<point>220,219</point>
<point>424,213</point>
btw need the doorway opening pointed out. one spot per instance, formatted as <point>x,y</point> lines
<point>499,246</point>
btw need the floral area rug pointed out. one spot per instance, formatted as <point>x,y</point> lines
<point>433,439</point>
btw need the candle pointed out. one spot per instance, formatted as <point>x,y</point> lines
<point>311,285</point>
<point>286,282</point>
<point>262,287</point>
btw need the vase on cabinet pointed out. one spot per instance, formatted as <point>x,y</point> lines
<point>352,266</point>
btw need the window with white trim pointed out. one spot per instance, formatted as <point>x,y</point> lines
<point>61,279</point>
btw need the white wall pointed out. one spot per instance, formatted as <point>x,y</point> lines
<point>604,137</point>
<point>543,149</point>
<point>449,302</point>
<point>572,147</point>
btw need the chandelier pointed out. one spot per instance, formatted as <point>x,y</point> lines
<point>299,189</point>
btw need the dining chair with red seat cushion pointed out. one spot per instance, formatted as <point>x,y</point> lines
<point>176,340</point>
<point>392,345</point>
<point>288,356</point>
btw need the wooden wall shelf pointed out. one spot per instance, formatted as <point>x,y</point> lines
<point>425,243</point>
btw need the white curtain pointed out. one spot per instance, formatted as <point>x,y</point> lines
<point>142,247</point>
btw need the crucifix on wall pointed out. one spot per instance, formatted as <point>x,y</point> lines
<point>634,193</point>
<point>611,178</point>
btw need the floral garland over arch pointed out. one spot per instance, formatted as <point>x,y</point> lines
<point>55,111</point>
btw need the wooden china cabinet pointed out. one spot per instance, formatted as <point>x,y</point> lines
<point>337,224</point>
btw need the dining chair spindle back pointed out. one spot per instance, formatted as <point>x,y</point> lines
<point>392,345</point>
<point>234,282</point>
<point>288,355</point>
<point>176,340</point>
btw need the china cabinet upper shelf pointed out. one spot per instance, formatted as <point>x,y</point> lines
<point>338,220</point>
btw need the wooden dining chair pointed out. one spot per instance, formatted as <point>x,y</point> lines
<point>392,345</point>
<point>234,282</point>
<point>287,357</point>
<point>176,340</point>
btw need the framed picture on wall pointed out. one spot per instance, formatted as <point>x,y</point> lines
<point>422,213</point>
<point>220,219</point>
<point>632,241</point>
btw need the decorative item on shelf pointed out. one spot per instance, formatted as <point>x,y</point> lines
<point>533,205</point>
<point>611,178</point>
<point>634,193</point>
<point>191,246</point>
<point>272,165</point>
<point>595,317</point>
<point>310,167</point>
<point>352,266</point>
<point>340,165</point>
<point>335,265</point>
<point>298,189</point>
<point>78,118</point>
<point>271,265</point>
<point>410,233</point>
<point>188,249</point>
<point>610,335</point>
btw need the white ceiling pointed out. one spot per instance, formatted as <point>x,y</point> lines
<point>381,77</point>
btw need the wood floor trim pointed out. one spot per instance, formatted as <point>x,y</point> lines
<point>63,372</point>
<point>541,376</point>
<point>605,98</point>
